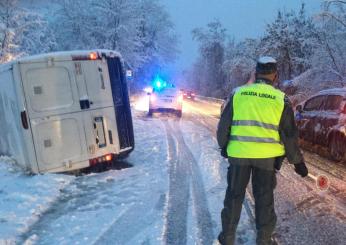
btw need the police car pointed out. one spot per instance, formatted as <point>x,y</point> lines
<point>165,97</point>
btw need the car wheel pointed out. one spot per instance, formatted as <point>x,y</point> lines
<point>150,112</point>
<point>179,113</point>
<point>337,146</point>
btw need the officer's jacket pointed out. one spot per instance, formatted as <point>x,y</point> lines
<point>288,132</point>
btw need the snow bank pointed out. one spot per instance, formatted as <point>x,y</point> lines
<point>23,198</point>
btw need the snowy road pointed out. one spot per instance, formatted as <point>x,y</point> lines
<point>169,191</point>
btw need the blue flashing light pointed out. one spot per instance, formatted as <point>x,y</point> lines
<point>158,84</point>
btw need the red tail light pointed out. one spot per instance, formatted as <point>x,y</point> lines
<point>93,162</point>
<point>93,56</point>
<point>97,160</point>
<point>109,157</point>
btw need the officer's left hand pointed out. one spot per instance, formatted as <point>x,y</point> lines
<point>224,152</point>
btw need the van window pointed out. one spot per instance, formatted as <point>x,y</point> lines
<point>315,103</point>
<point>333,103</point>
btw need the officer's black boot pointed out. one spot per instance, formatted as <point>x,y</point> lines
<point>264,239</point>
<point>228,239</point>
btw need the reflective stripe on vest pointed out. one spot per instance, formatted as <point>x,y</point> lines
<point>255,123</point>
<point>257,110</point>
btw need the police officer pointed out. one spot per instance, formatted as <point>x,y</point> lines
<point>255,132</point>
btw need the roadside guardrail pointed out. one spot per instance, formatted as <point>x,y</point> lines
<point>210,99</point>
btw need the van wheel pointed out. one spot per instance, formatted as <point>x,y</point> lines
<point>150,112</point>
<point>337,146</point>
<point>179,113</point>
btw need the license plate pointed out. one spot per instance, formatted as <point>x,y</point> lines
<point>166,100</point>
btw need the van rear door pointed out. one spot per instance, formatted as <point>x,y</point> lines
<point>99,120</point>
<point>54,108</point>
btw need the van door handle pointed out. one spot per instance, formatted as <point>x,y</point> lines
<point>24,118</point>
<point>84,104</point>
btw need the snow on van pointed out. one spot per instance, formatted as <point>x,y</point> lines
<point>65,111</point>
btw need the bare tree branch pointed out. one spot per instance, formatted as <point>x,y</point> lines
<point>340,21</point>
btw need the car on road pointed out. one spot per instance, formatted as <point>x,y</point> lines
<point>165,98</point>
<point>187,94</point>
<point>321,120</point>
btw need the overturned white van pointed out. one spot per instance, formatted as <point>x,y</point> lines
<point>65,111</point>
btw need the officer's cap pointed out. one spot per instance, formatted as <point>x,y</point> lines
<point>266,65</point>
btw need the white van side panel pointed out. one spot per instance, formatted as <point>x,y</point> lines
<point>98,88</point>
<point>11,133</point>
<point>110,134</point>
<point>50,90</point>
<point>59,141</point>
<point>55,115</point>
<point>51,85</point>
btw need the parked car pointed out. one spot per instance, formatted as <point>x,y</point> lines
<point>165,97</point>
<point>65,111</point>
<point>322,121</point>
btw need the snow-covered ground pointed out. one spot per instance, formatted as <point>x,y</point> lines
<point>169,191</point>
<point>24,198</point>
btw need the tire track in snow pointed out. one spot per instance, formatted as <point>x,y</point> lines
<point>178,194</point>
<point>194,178</point>
<point>199,197</point>
<point>123,228</point>
<point>210,123</point>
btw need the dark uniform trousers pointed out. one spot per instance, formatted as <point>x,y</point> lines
<point>263,183</point>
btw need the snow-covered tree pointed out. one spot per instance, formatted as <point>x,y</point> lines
<point>139,29</point>
<point>212,55</point>
<point>158,41</point>
<point>290,38</point>
<point>240,61</point>
<point>21,31</point>
<point>331,35</point>
<point>74,25</point>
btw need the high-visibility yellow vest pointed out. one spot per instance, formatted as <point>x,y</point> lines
<point>257,110</point>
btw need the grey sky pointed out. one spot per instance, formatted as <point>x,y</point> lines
<point>242,18</point>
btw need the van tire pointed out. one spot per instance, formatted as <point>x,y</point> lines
<point>150,112</point>
<point>179,113</point>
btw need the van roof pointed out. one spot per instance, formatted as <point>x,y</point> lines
<point>5,67</point>
<point>66,55</point>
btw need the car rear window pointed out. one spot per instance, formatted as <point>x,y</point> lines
<point>333,102</point>
<point>315,103</point>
